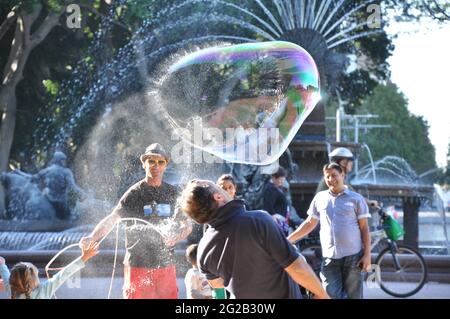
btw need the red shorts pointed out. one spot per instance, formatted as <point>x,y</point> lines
<point>147,283</point>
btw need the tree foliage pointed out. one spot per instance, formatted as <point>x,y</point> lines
<point>408,135</point>
<point>444,176</point>
<point>407,10</point>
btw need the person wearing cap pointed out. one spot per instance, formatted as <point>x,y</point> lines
<point>149,265</point>
<point>345,158</point>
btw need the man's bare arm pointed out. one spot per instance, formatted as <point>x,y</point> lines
<point>185,229</point>
<point>304,229</point>
<point>105,226</point>
<point>101,230</point>
<point>365,236</point>
<point>302,274</point>
<point>178,229</point>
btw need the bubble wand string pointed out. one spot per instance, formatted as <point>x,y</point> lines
<point>115,261</point>
<point>47,267</point>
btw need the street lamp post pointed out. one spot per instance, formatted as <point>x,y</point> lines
<point>355,119</point>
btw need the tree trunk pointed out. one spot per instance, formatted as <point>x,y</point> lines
<point>23,43</point>
<point>12,75</point>
<point>7,123</point>
<point>8,105</point>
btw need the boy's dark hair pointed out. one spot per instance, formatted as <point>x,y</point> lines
<point>191,253</point>
<point>333,165</point>
<point>280,173</point>
<point>198,202</point>
<point>227,177</point>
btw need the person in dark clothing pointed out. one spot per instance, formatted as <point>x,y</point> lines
<point>228,184</point>
<point>275,202</point>
<point>149,262</point>
<point>245,251</point>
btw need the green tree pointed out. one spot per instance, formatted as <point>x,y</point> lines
<point>39,51</point>
<point>439,9</point>
<point>408,135</point>
<point>444,177</point>
<point>31,21</point>
<point>407,10</point>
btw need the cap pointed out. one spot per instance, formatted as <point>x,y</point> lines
<point>154,149</point>
<point>341,152</point>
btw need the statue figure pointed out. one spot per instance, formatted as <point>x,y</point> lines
<point>24,199</point>
<point>57,180</point>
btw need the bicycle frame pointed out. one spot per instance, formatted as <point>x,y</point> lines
<point>380,236</point>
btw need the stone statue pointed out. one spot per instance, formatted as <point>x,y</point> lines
<point>56,181</point>
<point>24,199</point>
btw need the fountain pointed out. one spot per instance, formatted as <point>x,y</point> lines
<point>39,206</point>
<point>108,161</point>
<point>24,199</point>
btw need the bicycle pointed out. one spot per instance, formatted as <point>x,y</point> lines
<point>395,263</point>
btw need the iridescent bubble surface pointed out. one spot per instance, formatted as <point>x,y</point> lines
<point>243,103</point>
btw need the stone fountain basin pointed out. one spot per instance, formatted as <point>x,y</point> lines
<point>37,225</point>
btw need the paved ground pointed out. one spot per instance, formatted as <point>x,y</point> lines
<point>97,288</point>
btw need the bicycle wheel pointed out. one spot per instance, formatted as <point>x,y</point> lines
<point>410,276</point>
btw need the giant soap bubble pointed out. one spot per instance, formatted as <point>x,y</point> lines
<point>243,103</point>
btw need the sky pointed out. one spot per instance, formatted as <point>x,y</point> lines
<point>420,66</point>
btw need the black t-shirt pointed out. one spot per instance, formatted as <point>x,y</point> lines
<point>275,202</point>
<point>145,244</point>
<point>249,252</point>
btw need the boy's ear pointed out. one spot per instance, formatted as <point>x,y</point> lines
<point>218,197</point>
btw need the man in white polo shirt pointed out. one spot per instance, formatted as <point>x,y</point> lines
<point>344,234</point>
